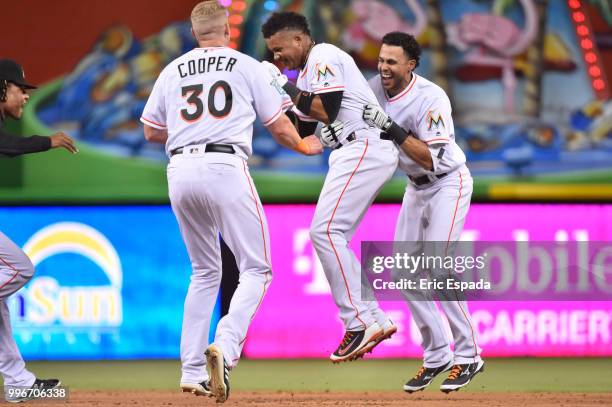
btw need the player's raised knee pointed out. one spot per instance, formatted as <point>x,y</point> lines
<point>25,267</point>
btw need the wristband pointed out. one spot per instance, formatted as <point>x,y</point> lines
<point>302,147</point>
<point>397,134</point>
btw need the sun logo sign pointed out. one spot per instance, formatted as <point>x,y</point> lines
<point>48,302</point>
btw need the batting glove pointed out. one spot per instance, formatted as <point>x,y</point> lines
<point>331,134</point>
<point>275,73</point>
<point>374,115</point>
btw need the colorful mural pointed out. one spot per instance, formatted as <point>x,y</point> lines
<point>528,107</point>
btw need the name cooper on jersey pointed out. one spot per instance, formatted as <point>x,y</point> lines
<point>204,65</point>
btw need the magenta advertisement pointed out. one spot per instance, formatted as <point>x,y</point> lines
<point>298,318</point>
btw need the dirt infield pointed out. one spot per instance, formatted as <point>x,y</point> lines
<point>256,399</point>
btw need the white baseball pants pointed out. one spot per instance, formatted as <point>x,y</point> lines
<point>357,172</point>
<point>16,270</point>
<point>213,193</point>
<point>436,213</point>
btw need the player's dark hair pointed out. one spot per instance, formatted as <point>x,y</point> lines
<point>411,47</point>
<point>285,21</point>
<point>3,90</point>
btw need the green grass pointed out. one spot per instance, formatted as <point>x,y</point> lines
<point>515,375</point>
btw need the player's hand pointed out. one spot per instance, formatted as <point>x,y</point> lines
<point>61,139</point>
<point>310,145</point>
<point>374,115</point>
<point>331,134</point>
<point>275,73</point>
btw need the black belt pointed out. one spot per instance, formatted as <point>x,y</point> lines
<point>424,179</point>
<point>385,136</point>
<point>210,148</point>
<point>351,137</point>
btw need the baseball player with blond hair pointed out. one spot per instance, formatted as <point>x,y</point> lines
<point>417,115</point>
<point>331,89</point>
<point>202,107</point>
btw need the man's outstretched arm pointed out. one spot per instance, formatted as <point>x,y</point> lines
<point>14,146</point>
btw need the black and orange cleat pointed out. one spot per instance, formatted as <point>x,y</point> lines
<point>356,343</point>
<point>461,375</point>
<point>424,377</point>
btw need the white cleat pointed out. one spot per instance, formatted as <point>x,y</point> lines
<point>218,373</point>
<point>197,389</point>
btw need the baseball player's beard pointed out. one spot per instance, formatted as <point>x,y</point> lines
<point>288,64</point>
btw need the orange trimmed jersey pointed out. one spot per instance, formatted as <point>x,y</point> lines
<point>424,109</point>
<point>212,95</point>
<point>330,69</point>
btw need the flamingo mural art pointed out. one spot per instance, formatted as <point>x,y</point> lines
<point>494,40</point>
<point>374,19</point>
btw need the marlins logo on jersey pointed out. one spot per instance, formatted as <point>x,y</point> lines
<point>323,70</point>
<point>434,119</point>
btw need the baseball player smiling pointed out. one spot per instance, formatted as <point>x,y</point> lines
<point>331,88</point>
<point>417,113</point>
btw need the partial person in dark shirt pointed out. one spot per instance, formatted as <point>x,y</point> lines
<point>16,269</point>
<point>13,97</point>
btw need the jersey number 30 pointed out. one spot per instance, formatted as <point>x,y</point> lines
<point>193,93</point>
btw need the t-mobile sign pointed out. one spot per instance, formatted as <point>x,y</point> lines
<point>298,317</point>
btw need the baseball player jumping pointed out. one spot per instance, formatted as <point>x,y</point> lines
<point>331,88</point>
<point>202,107</point>
<point>417,115</point>
<point>16,269</point>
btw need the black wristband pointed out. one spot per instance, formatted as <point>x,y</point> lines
<point>291,90</point>
<point>397,134</point>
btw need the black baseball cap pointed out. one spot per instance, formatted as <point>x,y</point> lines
<point>13,72</point>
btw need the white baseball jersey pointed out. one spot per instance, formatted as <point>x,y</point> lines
<point>211,95</point>
<point>423,108</point>
<point>435,212</point>
<point>357,172</point>
<point>330,69</point>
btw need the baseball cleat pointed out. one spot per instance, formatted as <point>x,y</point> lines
<point>461,375</point>
<point>39,384</point>
<point>356,343</point>
<point>424,377</point>
<point>388,330</point>
<point>218,372</point>
<point>198,389</point>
